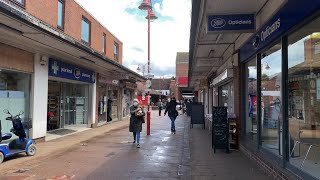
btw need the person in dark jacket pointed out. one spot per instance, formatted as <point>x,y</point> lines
<point>160,105</point>
<point>172,113</point>
<point>137,115</point>
<point>109,104</point>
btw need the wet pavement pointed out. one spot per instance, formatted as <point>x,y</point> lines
<point>163,155</point>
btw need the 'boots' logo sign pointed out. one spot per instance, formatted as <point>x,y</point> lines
<point>218,23</point>
<point>234,22</point>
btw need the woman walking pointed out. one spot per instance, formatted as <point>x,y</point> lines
<point>172,113</point>
<point>136,120</point>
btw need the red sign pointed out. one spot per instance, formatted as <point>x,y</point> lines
<point>183,81</point>
<point>143,100</point>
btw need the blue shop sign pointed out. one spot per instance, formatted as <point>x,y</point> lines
<point>69,71</point>
<point>235,22</point>
<point>293,13</point>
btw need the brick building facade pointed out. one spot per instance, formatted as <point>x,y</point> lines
<point>57,59</point>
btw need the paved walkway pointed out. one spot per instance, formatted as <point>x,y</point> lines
<point>112,155</point>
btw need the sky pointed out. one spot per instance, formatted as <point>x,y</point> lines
<point>169,34</point>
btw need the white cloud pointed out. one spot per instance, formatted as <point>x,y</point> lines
<point>169,34</point>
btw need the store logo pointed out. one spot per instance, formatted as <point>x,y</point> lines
<point>77,73</point>
<point>218,23</point>
<point>55,67</point>
<point>256,41</point>
<point>115,82</point>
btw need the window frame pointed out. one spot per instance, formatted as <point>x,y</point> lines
<point>89,23</point>
<point>23,4</point>
<point>63,14</point>
<point>116,56</point>
<point>104,43</point>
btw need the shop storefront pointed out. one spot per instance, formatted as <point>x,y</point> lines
<point>68,95</point>
<point>127,97</point>
<point>16,69</point>
<point>222,89</point>
<point>108,97</point>
<point>282,89</point>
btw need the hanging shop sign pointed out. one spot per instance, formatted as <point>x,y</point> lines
<point>130,85</point>
<point>232,22</point>
<point>69,71</point>
<point>286,18</point>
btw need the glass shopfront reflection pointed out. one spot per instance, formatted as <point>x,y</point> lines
<point>304,98</point>
<point>251,102</point>
<point>271,105</point>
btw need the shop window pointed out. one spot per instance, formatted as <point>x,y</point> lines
<point>104,42</point>
<point>271,105</point>
<point>102,106</point>
<point>304,98</point>
<point>14,96</point>
<point>60,14</point>
<point>226,97</point>
<point>251,99</point>
<point>112,104</point>
<point>85,31</point>
<point>19,2</point>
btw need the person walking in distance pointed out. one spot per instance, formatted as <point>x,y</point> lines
<point>160,105</point>
<point>136,120</point>
<point>172,113</point>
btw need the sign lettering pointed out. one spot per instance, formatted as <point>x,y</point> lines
<point>68,71</point>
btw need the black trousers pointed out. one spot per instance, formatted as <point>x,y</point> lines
<point>159,112</point>
<point>134,136</point>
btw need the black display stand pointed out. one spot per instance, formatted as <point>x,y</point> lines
<point>188,106</point>
<point>220,128</point>
<point>197,115</point>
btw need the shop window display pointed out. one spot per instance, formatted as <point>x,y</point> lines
<point>271,105</point>
<point>14,96</point>
<point>226,96</point>
<point>304,98</point>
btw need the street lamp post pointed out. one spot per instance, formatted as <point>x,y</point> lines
<point>147,6</point>
<point>143,67</point>
<point>160,86</point>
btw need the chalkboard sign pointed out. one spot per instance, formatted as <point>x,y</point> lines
<point>197,115</point>
<point>220,128</point>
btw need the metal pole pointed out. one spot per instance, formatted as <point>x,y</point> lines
<point>148,113</point>
<point>160,89</point>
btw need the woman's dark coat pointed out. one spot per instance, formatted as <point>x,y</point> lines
<point>135,122</point>
<point>171,109</point>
